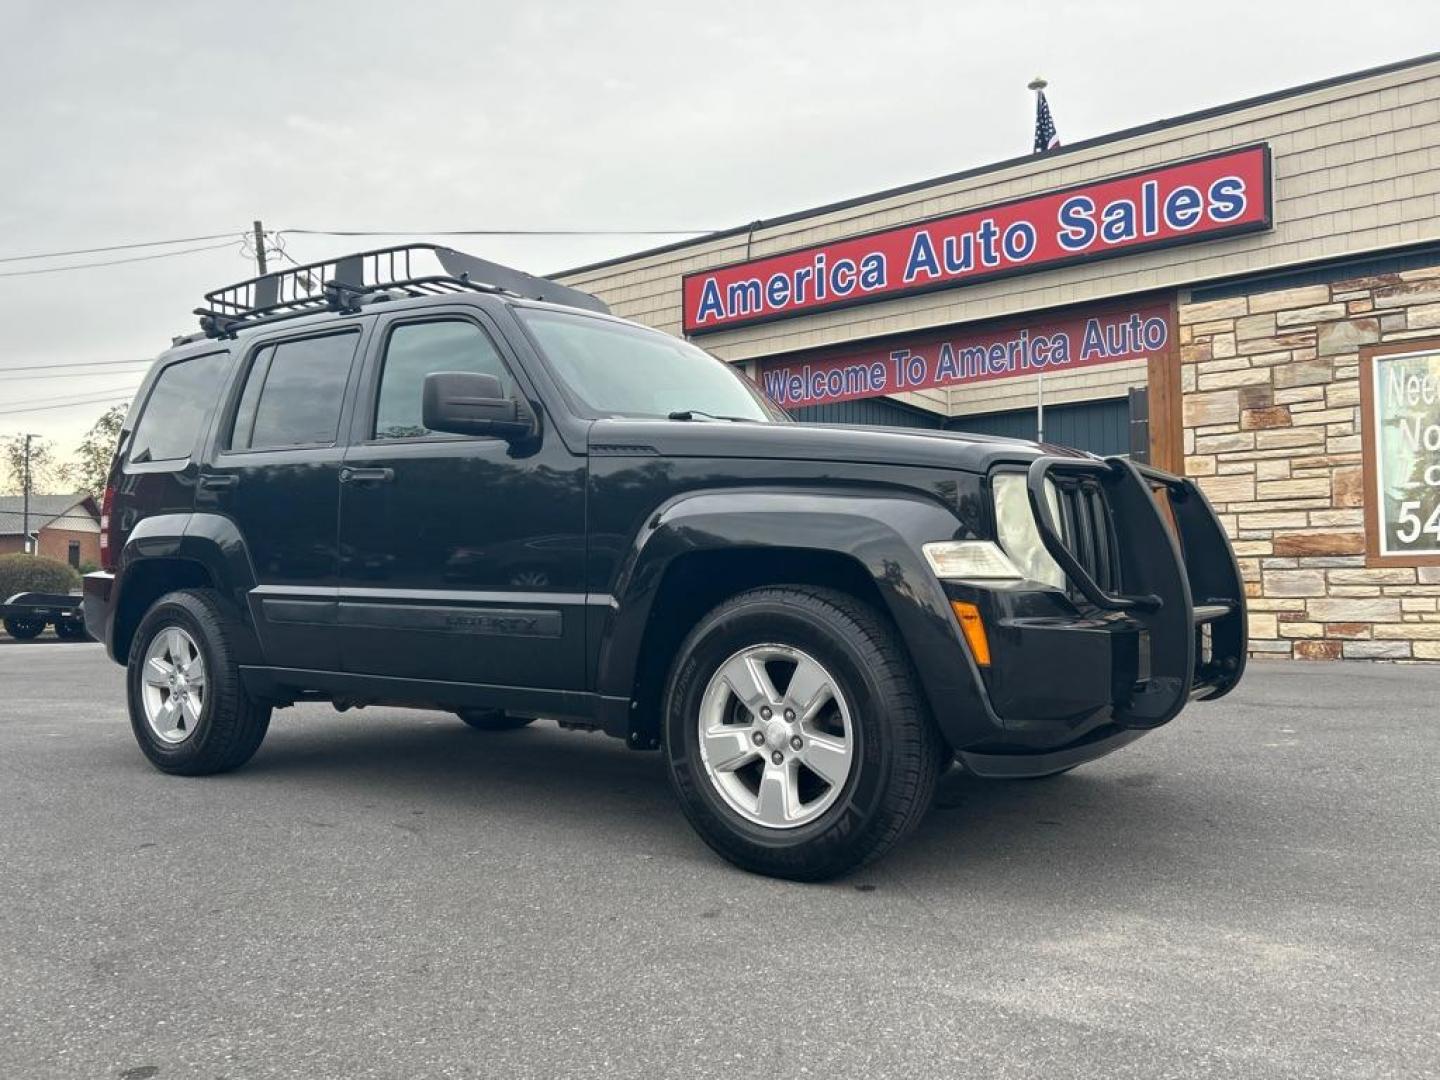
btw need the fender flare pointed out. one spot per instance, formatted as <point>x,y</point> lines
<point>211,541</point>
<point>881,531</point>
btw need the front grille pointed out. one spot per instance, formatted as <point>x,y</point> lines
<point>1088,532</point>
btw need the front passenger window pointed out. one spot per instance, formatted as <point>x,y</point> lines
<point>419,349</point>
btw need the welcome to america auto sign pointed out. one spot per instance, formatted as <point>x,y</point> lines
<point>963,355</point>
<point>1201,199</point>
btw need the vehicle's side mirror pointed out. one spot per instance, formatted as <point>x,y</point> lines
<point>468,403</point>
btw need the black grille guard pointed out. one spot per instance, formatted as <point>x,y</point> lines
<point>1182,585</point>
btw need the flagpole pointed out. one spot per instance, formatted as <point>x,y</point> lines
<point>1038,85</point>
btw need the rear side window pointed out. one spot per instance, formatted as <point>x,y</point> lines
<point>182,393</point>
<point>419,349</point>
<point>293,394</point>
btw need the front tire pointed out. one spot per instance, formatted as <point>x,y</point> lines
<point>188,709</point>
<point>798,742</point>
<point>23,629</point>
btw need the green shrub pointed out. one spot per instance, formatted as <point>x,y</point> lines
<point>32,573</point>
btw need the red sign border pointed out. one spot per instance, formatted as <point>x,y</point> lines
<point>1266,223</point>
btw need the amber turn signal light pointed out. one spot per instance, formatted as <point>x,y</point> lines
<point>973,628</point>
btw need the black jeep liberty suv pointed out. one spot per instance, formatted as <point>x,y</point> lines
<point>414,477</point>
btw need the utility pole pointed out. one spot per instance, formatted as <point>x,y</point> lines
<point>260,249</point>
<point>25,499</point>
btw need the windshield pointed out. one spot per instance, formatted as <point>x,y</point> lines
<point>615,369</point>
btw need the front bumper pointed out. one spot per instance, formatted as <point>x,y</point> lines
<point>1070,668</point>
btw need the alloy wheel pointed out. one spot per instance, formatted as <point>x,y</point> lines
<point>174,685</point>
<point>776,738</point>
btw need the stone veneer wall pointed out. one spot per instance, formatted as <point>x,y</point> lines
<point>1273,434</point>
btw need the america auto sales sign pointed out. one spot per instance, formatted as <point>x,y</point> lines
<point>1201,199</point>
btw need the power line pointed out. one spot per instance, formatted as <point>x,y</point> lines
<point>5,375</point>
<point>116,247</point>
<point>116,262</point>
<point>111,400</point>
<point>64,397</point>
<point>279,249</point>
<point>69,364</point>
<point>314,232</point>
<point>496,232</point>
<point>65,405</point>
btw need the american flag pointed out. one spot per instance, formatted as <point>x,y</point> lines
<point>1045,137</point>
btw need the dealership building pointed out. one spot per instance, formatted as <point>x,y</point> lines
<point>1249,295</point>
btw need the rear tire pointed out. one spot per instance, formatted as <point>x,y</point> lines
<point>188,709</point>
<point>871,732</point>
<point>23,629</point>
<point>493,719</point>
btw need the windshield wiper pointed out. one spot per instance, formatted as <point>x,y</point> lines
<point>693,414</point>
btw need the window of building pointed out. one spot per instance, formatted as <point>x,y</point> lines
<point>73,554</point>
<point>293,394</point>
<point>419,349</point>
<point>177,404</point>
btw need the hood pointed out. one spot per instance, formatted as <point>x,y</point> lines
<point>815,442</point>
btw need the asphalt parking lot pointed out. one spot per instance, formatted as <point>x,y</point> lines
<point>1251,892</point>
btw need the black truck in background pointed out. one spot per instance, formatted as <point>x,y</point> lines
<point>411,476</point>
<point>25,615</point>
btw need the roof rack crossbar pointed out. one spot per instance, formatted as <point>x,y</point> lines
<point>342,284</point>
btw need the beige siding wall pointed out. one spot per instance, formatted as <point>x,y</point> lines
<point>1356,168</point>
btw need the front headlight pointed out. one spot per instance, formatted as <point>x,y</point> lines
<point>1017,532</point>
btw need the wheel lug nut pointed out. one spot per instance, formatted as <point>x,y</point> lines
<point>790,715</point>
<point>796,742</point>
<point>758,738</point>
<point>778,758</point>
<point>766,712</point>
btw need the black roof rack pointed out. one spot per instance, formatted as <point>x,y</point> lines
<point>341,284</point>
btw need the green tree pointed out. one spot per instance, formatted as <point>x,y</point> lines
<point>92,457</point>
<point>47,473</point>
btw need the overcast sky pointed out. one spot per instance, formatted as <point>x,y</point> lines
<point>136,121</point>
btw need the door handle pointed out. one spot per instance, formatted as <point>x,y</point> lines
<point>350,475</point>
<point>218,481</point>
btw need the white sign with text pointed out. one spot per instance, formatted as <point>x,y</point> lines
<point>1406,428</point>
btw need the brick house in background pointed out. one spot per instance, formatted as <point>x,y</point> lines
<point>66,527</point>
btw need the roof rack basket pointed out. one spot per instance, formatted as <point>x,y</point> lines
<point>342,284</point>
